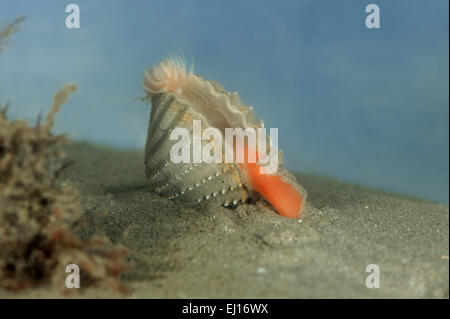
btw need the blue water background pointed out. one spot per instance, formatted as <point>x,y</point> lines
<point>360,105</point>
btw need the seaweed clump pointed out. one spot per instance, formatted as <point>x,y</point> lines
<point>37,214</point>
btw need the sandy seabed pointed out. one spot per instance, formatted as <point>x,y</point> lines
<point>184,250</point>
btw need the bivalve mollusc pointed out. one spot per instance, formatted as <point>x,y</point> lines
<point>185,102</point>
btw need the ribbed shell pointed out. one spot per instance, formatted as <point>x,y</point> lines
<point>219,183</point>
<point>222,183</point>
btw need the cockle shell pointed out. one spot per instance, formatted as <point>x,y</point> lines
<point>179,97</point>
<point>220,183</point>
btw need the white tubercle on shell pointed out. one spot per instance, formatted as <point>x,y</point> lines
<point>178,97</point>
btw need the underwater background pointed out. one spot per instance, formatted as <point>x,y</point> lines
<point>369,106</point>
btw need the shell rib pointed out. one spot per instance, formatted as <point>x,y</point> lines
<point>179,97</point>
